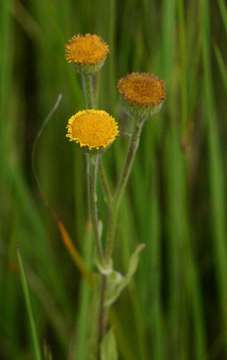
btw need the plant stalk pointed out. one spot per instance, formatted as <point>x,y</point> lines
<point>103,313</point>
<point>127,168</point>
<point>92,165</point>
<point>113,216</point>
<point>87,82</point>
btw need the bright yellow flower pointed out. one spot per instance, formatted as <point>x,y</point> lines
<point>94,129</point>
<point>87,51</point>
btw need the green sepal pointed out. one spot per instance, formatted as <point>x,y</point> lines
<point>141,112</point>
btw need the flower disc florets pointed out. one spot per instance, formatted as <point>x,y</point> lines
<point>92,129</point>
<point>144,93</point>
<point>88,52</point>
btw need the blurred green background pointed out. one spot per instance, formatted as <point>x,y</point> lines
<point>176,200</point>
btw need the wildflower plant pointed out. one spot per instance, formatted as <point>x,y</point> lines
<point>95,130</point>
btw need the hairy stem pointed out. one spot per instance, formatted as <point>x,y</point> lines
<point>108,197</point>
<point>103,313</point>
<point>93,163</point>
<point>87,82</point>
<point>113,215</point>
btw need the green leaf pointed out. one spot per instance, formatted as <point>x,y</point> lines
<point>109,347</point>
<point>117,282</point>
<point>134,260</point>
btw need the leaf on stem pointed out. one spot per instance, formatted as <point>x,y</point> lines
<point>117,282</point>
<point>109,347</point>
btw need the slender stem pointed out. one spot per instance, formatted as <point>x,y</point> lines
<point>91,87</point>
<point>84,89</point>
<point>106,185</point>
<point>113,215</point>
<point>93,163</point>
<point>88,93</point>
<point>133,147</point>
<point>88,177</point>
<point>103,312</point>
<point>87,82</point>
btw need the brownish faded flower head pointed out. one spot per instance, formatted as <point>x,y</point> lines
<point>142,90</point>
<point>86,50</point>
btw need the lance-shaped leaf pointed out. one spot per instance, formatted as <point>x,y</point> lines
<point>117,282</point>
<point>109,347</point>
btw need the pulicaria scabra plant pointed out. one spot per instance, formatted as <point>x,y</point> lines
<point>96,130</point>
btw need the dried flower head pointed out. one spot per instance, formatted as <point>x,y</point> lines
<point>88,52</point>
<point>143,92</point>
<point>93,129</point>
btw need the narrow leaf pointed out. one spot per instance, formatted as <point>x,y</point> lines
<point>34,335</point>
<point>134,260</point>
<point>117,282</point>
<point>109,347</point>
<point>222,66</point>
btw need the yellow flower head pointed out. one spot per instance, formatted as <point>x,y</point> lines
<point>87,52</point>
<point>93,129</point>
<point>142,90</point>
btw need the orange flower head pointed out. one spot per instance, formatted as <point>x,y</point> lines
<point>142,91</point>
<point>92,129</point>
<point>88,52</point>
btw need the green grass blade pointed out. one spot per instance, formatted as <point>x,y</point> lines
<point>216,180</point>
<point>222,66</point>
<point>34,335</point>
<point>223,11</point>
